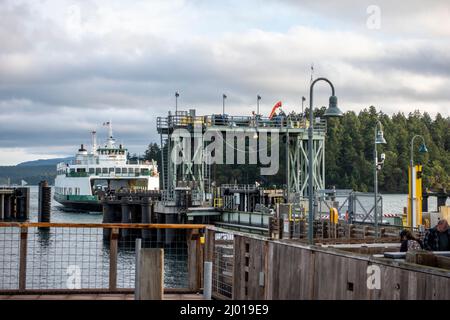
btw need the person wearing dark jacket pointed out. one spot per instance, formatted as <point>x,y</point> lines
<point>438,238</point>
<point>409,242</point>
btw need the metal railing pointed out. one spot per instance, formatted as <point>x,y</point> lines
<point>66,256</point>
<point>219,120</point>
<point>241,187</point>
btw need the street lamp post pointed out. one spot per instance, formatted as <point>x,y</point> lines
<point>422,149</point>
<point>332,111</point>
<point>379,139</point>
<point>176,102</point>
<point>303,101</point>
<point>224,96</point>
<point>258,98</point>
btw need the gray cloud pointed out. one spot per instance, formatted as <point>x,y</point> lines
<point>59,82</point>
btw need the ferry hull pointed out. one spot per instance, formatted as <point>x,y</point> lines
<point>79,204</point>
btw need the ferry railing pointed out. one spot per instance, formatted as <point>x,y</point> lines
<point>73,257</point>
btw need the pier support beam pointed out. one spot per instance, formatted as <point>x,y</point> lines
<point>170,233</point>
<point>159,231</point>
<point>7,208</point>
<point>146,217</point>
<point>125,216</point>
<point>108,217</point>
<point>22,203</point>
<point>2,207</point>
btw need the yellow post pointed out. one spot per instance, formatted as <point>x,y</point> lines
<point>417,195</point>
<point>334,216</point>
<point>408,213</point>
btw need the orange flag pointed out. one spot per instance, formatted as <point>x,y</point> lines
<point>275,107</point>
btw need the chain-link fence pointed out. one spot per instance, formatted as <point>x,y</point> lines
<point>86,256</point>
<point>223,260</point>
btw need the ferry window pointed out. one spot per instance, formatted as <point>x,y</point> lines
<point>111,169</point>
<point>91,170</point>
<point>144,171</point>
<point>98,170</point>
<point>130,170</point>
<point>124,170</point>
<point>104,170</point>
<point>118,170</point>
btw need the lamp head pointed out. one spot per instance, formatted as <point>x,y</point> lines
<point>423,148</point>
<point>380,137</point>
<point>333,110</point>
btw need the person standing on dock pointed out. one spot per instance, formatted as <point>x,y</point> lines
<point>409,242</point>
<point>438,238</point>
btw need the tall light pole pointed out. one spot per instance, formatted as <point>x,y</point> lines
<point>224,96</point>
<point>303,101</point>
<point>379,139</point>
<point>422,149</point>
<point>176,102</point>
<point>332,111</point>
<point>258,98</point>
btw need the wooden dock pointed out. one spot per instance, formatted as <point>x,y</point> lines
<point>98,296</point>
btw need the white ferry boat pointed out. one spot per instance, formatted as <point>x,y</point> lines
<point>104,169</point>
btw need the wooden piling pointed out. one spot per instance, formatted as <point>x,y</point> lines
<point>151,274</point>
<point>44,202</point>
<point>194,260</point>
<point>113,259</point>
<point>23,258</point>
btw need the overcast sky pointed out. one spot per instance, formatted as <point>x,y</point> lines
<point>68,66</point>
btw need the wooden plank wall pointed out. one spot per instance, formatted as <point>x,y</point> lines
<point>292,272</point>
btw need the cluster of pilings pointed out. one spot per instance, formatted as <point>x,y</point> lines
<point>136,208</point>
<point>14,204</point>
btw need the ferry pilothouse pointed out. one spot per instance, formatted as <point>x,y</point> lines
<point>104,169</point>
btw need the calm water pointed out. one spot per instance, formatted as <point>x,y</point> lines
<point>56,256</point>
